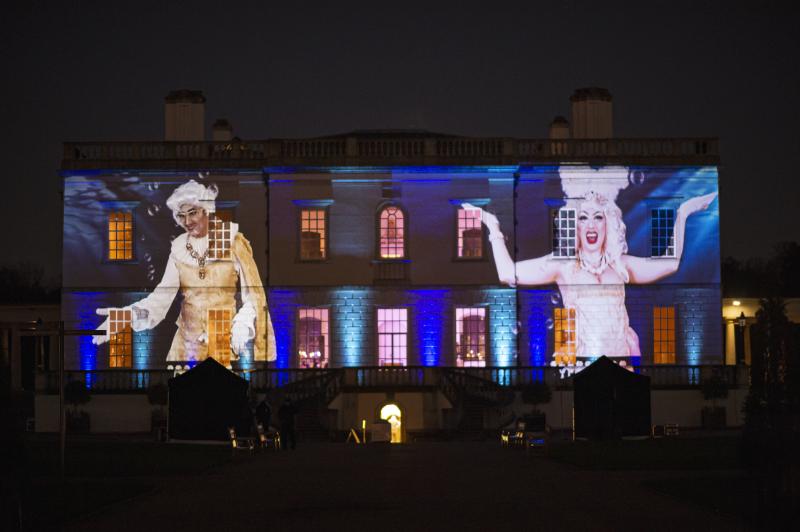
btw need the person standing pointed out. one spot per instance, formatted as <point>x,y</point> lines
<point>264,414</point>
<point>286,415</point>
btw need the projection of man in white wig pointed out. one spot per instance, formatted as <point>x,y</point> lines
<point>593,282</point>
<point>207,278</point>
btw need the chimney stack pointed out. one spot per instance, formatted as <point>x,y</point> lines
<point>559,128</point>
<point>591,114</point>
<point>222,131</point>
<point>184,115</point>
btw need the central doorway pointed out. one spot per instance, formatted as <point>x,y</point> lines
<point>393,415</point>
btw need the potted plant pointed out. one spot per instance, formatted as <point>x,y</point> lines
<point>157,395</point>
<point>713,388</point>
<point>76,394</point>
<point>536,393</point>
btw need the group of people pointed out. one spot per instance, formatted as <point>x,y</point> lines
<point>286,415</point>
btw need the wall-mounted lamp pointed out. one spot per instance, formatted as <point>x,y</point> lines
<point>736,302</point>
<point>741,320</point>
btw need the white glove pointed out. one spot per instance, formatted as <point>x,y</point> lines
<point>240,335</point>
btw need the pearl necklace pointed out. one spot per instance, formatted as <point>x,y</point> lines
<point>201,260</point>
<point>594,270</point>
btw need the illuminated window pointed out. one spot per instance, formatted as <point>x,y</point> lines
<point>313,234</point>
<point>219,238</point>
<point>662,227</point>
<point>564,233</point>
<point>470,234</point>
<point>392,336</point>
<point>392,233</point>
<point>120,338</point>
<point>120,235</point>
<point>219,335</point>
<point>471,337</point>
<point>664,335</point>
<point>564,335</point>
<point>312,338</point>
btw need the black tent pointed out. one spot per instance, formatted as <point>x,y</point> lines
<point>205,401</point>
<point>611,402</point>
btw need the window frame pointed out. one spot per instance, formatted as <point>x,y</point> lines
<point>555,214</point>
<point>658,343</point>
<point>479,202</point>
<point>378,335</point>
<point>328,335</point>
<point>571,317</point>
<point>382,207</point>
<point>486,334</point>
<point>319,205</point>
<point>662,208</point>
<point>112,345</point>
<point>110,207</point>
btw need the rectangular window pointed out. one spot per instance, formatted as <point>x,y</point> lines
<point>219,238</point>
<point>470,234</point>
<point>312,337</point>
<point>664,335</point>
<point>219,335</point>
<point>392,336</point>
<point>564,336</point>
<point>662,227</point>
<point>471,337</point>
<point>564,233</point>
<point>120,338</point>
<point>313,234</point>
<point>120,235</point>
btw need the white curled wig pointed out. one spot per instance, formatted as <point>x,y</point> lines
<point>195,194</point>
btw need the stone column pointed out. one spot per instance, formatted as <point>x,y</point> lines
<point>730,343</point>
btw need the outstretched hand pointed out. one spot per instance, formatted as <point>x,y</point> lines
<point>699,203</point>
<point>489,220</point>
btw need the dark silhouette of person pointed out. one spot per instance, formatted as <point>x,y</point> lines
<point>286,415</point>
<point>264,414</point>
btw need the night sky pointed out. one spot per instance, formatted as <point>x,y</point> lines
<point>100,70</point>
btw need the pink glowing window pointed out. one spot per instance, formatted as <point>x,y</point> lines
<point>471,337</point>
<point>312,338</point>
<point>392,336</point>
<point>470,234</point>
<point>392,233</point>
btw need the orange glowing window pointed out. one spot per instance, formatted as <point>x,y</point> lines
<point>120,235</point>
<point>120,338</point>
<point>219,335</point>
<point>664,335</point>
<point>313,234</point>
<point>470,234</point>
<point>564,336</point>
<point>392,233</point>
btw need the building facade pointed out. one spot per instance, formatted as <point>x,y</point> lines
<point>393,255</point>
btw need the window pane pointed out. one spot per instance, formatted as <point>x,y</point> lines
<point>312,339</point>
<point>664,335</point>
<point>392,233</point>
<point>471,337</point>
<point>312,234</point>
<point>470,233</point>
<point>392,337</point>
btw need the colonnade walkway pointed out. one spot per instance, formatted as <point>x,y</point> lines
<point>425,486</point>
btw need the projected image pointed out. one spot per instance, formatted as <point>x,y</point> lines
<point>590,263</point>
<point>223,308</point>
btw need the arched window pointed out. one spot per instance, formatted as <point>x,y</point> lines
<point>392,233</point>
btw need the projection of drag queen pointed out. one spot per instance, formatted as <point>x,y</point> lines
<point>208,315</point>
<point>593,283</point>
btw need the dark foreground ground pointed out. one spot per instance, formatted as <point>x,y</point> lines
<point>431,486</point>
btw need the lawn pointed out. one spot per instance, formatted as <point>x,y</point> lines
<point>101,472</point>
<point>650,454</point>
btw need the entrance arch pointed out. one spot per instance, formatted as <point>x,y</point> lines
<point>392,413</point>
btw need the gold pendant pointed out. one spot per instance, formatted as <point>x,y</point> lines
<point>202,273</point>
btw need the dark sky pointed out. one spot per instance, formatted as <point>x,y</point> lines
<point>100,70</point>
